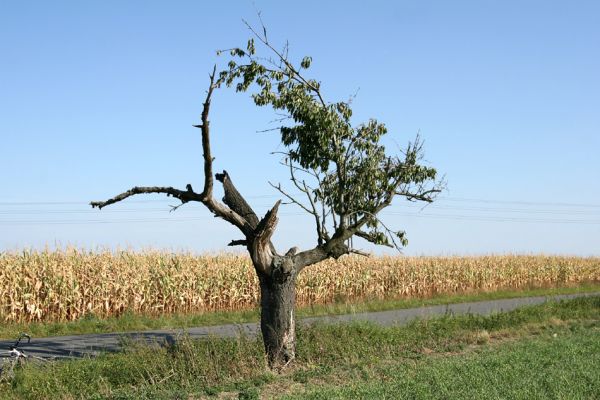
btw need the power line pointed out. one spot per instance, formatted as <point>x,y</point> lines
<point>415,215</point>
<point>512,210</point>
<point>497,219</point>
<point>259,206</point>
<point>560,209</point>
<point>528,203</point>
<point>267,196</point>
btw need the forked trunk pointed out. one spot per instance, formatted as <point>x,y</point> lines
<point>278,297</point>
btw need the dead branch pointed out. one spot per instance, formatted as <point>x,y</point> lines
<point>262,249</point>
<point>183,195</point>
<point>208,175</point>
<point>238,242</point>
<point>217,208</point>
<point>360,252</point>
<point>235,200</point>
<point>292,199</point>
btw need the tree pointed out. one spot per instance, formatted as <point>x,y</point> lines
<point>342,171</point>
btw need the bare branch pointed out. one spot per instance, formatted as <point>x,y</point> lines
<point>183,195</point>
<point>321,231</point>
<point>239,242</point>
<point>292,251</point>
<point>324,212</point>
<point>334,247</point>
<point>214,206</point>
<point>360,252</point>
<point>294,167</point>
<point>266,226</point>
<point>278,128</point>
<point>217,208</point>
<point>292,200</point>
<point>310,257</point>
<point>262,251</point>
<point>321,234</point>
<point>208,175</point>
<point>174,208</point>
<point>236,201</point>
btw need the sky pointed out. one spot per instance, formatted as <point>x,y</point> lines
<point>100,96</point>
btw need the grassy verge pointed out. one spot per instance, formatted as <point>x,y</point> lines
<point>544,367</point>
<point>551,350</point>
<point>133,322</point>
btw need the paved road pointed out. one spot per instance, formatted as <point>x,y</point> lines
<point>84,345</point>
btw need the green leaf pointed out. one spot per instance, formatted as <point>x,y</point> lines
<point>250,47</point>
<point>306,61</point>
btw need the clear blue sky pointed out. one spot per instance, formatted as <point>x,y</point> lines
<point>96,97</point>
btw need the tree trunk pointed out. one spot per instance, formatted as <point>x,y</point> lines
<point>278,327</point>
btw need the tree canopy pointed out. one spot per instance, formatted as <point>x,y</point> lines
<point>342,169</point>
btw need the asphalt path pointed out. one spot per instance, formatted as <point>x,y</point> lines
<point>90,345</point>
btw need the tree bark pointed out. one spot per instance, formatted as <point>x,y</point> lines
<point>277,320</point>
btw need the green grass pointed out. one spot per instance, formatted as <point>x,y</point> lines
<point>546,351</point>
<point>133,322</point>
<point>546,367</point>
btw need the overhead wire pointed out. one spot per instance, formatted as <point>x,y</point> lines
<point>479,213</point>
<point>266,196</point>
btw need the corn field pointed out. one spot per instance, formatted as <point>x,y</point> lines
<point>68,284</point>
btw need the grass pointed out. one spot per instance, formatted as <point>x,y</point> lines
<point>546,351</point>
<point>135,322</point>
<point>544,367</point>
